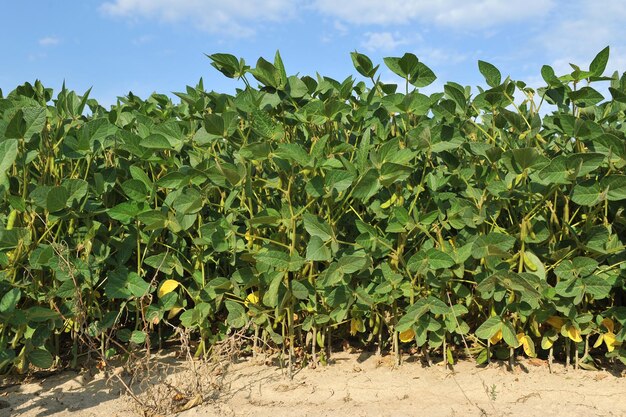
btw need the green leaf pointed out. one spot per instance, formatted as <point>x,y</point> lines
<point>556,172</point>
<point>406,67</point>
<point>57,199</point>
<point>270,298</point>
<point>316,250</point>
<point>293,152</point>
<point>587,193</point>
<point>9,300</point>
<point>409,68</point>
<point>296,87</point>
<point>41,256</point>
<point>237,317</point>
<point>597,286</point>
<point>280,260</point>
<point>300,290</point>
<point>509,336</point>
<point>490,327</point>
<point>582,164</point>
<point>214,124</point>
<point>190,201</point>
<point>548,75</point>
<point>126,212</point>
<point>571,288</point>
<point>135,190</point>
<point>615,187</point>
<point>586,97</point>
<point>38,314</point>
<point>153,219</point>
<point>363,64</point>
<point>438,259</point>
<point>349,264</point>
<point>413,313</point>
<point>423,77</point>
<point>8,150</point>
<point>367,186</point>
<point>493,244</point>
<point>280,68</point>
<point>227,64</point>
<point>26,122</point>
<point>317,227</point>
<point>122,283</point>
<point>137,286</point>
<point>137,337</point>
<point>77,190</point>
<point>520,160</point>
<point>267,74</point>
<point>598,65</point>
<point>490,72</point>
<point>156,141</point>
<point>255,151</point>
<point>40,358</point>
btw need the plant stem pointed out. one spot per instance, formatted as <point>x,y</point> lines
<point>314,348</point>
<point>550,357</point>
<point>426,353</point>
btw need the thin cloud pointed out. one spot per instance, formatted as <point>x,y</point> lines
<point>382,41</point>
<point>230,18</point>
<point>466,15</point>
<point>577,37</point>
<point>49,41</point>
<point>142,40</point>
<point>440,56</point>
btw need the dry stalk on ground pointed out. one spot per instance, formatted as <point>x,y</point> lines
<point>162,387</point>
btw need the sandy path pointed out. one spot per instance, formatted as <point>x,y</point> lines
<point>355,386</point>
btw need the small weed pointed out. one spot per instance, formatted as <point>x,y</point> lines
<point>492,392</point>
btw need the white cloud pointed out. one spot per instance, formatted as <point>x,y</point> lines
<point>37,56</point>
<point>468,14</point>
<point>230,18</point>
<point>49,41</point>
<point>382,41</point>
<point>585,31</point>
<point>142,40</point>
<point>439,56</point>
<point>340,27</point>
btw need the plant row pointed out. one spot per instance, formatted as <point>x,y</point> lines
<point>308,210</point>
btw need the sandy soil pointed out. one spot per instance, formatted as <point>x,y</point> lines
<point>355,385</point>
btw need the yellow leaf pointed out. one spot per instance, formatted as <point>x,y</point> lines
<point>528,344</point>
<point>252,298</point>
<point>407,335</point>
<point>546,343</point>
<point>389,202</point>
<point>599,341</point>
<point>69,324</point>
<point>496,337</point>
<point>449,356</point>
<point>528,263</point>
<point>609,339</point>
<point>167,287</point>
<point>356,325</point>
<point>556,322</point>
<point>574,334</point>
<point>173,312</point>
<point>608,323</point>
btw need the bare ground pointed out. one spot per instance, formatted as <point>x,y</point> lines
<point>354,385</point>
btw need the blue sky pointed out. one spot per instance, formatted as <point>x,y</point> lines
<point>116,46</point>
